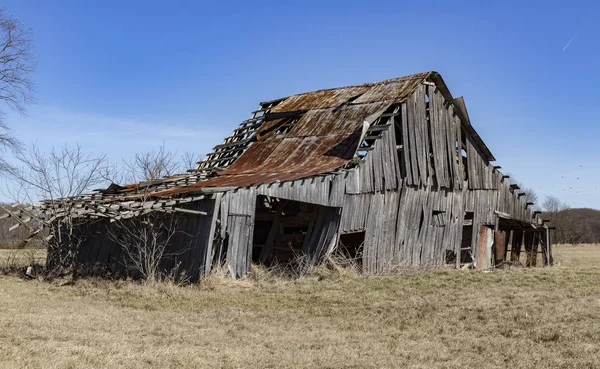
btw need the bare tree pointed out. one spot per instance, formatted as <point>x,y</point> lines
<point>150,165</point>
<point>530,194</point>
<point>154,164</point>
<point>7,143</point>
<point>16,88</point>
<point>189,160</point>
<point>558,214</point>
<point>552,205</point>
<point>145,241</point>
<point>56,179</point>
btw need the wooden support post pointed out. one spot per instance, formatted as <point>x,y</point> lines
<point>267,250</point>
<point>517,242</point>
<point>544,243</point>
<point>500,239</point>
<point>528,241</point>
<point>548,246</point>
<point>534,248</point>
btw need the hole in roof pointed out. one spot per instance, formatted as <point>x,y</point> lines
<point>286,126</point>
<point>347,102</point>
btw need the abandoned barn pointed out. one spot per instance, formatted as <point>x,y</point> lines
<point>392,173</point>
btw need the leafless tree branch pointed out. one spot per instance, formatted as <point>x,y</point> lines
<point>16,88</point>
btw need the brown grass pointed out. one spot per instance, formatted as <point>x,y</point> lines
<point>12,260</point>
<point>544,317</point>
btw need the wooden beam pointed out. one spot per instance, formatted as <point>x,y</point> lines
<point>503,215</point>
<point>379,127</point>
<point>190,211</point>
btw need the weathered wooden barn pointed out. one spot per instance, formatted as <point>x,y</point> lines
<point>391,172</point>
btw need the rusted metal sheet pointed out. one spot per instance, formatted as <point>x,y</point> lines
<point>484,248</point>
<point>394,89</point>
<point>320,99</point>
<point>320,142</point>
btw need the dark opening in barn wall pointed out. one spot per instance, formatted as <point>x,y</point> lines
<point>285,230</point>
<point>280,229</point>
<point>466,255</point>
<point>350,247</point>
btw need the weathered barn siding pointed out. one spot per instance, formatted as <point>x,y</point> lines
<point>193,241</point>
<point>186,254</point>
<point>237,218</point>
<point>418,223</point>
<point>322,233</point>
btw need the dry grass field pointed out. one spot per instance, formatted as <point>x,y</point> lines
<point>525,318</point>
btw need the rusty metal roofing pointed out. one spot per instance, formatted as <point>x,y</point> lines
<point>321,141</point>
<point>394,89</point>
<point>322,132</point>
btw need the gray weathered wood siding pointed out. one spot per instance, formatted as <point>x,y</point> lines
<point>187,253</point>
<point>411,200</point>
<point>237,219</point>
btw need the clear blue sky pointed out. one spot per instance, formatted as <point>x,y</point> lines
<point>121,77</point>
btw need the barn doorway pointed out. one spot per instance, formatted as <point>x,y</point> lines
<point>280,229</point>
<point>290,231</point>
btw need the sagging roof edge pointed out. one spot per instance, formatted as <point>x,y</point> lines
<point>461,110</point>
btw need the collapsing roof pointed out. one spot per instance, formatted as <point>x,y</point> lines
<point>308,134</point>
<point>290,138</point>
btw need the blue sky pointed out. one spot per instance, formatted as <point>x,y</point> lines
<point>121,77</point>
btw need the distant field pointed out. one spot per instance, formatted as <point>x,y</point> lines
<point>577,256</point>
<point>21,257</point>
<point>531,318</point>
